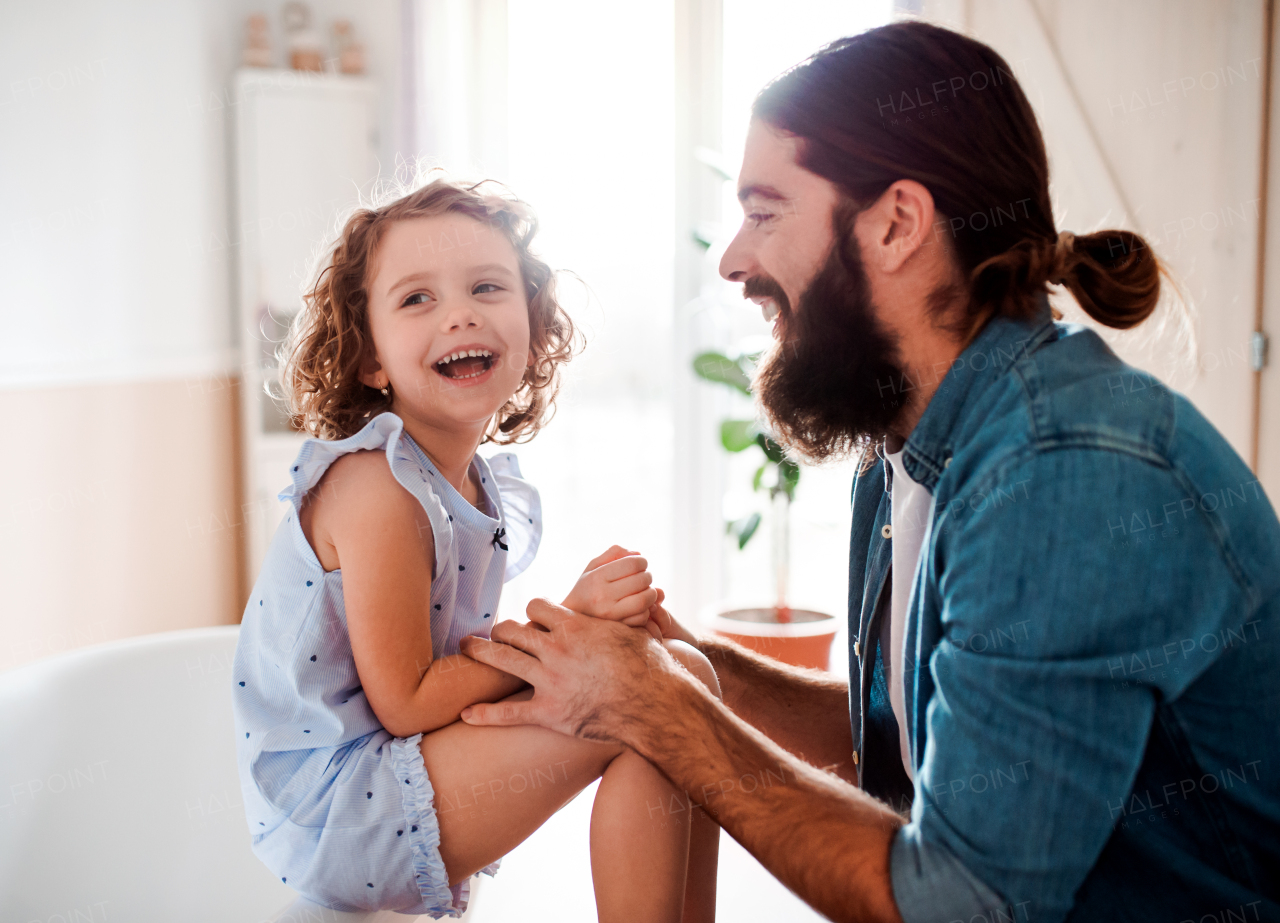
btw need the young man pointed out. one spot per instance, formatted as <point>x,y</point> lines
<point>1064,585</point>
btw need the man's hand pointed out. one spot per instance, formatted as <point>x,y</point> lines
<point>616,586</point>
<point>599,679</point>
<point>585,672</point>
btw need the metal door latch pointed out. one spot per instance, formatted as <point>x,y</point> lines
<point>1258,342</point>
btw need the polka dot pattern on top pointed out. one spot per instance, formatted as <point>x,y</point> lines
<point>314,756</point>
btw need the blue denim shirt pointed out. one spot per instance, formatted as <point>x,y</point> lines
<point>1092,648</point>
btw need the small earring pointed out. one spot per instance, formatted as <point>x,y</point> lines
<point>384,389</point>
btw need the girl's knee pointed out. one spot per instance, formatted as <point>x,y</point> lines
<point>695,662</point>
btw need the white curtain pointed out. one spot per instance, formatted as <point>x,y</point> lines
<point>454,97</point>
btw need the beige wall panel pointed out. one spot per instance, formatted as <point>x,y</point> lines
<point>119,514</point>
<point>1171,91</point>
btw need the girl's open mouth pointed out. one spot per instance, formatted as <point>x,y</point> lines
<point>466,364</point>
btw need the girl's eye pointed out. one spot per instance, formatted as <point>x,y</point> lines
<point>484,288</point>
<point>415,298</point>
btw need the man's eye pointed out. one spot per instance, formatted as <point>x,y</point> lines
<point>415,298</point>
<point>758,218</point>
<point>485,288</point>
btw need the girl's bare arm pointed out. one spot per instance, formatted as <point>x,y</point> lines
<point>380,536</point>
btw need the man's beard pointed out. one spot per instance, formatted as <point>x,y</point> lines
<point>832,383</point>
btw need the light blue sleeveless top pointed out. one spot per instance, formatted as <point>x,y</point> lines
<point>299,707</point>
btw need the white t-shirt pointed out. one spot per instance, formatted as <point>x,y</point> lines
<point>911,505</point>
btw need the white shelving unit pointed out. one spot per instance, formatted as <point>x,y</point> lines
<point>305,151</point>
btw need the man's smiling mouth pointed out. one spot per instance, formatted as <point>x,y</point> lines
<point>768,306</point>
<point>466,363</point>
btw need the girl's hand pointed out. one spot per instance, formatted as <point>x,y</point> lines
<point>663,625</point>
<point>615,586</point>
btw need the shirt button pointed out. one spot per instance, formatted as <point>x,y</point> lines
<point>857,648</point>
<point>855,757</point>
<point>947,463</point>
<point>886,530</point>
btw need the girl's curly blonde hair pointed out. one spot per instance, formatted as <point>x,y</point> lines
<point>329,341</point>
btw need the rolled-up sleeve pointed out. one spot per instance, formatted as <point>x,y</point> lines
<point>1035,728</point>
<point>930,885</point>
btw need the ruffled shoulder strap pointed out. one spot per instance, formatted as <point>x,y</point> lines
<point>521,513</point>
<point>385,431</point>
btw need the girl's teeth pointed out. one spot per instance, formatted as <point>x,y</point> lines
<point>465,354</point>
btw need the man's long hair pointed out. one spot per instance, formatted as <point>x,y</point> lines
<point>915,101</point>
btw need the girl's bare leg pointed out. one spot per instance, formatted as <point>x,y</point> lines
<point>704,833</point>
<point>639,843</point>
<point>495,785</point>
<point>646,833</point>
<point>704,862</point>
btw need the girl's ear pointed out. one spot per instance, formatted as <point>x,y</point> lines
<point>371,373</point>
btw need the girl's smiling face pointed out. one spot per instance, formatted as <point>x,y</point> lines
<point>449,320</point>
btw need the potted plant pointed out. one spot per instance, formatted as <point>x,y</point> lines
<point>796,636</point>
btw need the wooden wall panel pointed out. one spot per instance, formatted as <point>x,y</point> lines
<point>119,513</point>
<point>1160,99</point>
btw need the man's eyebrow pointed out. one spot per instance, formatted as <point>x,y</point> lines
<point>764,192</point>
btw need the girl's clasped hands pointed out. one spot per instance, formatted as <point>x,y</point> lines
<point>618,586</point>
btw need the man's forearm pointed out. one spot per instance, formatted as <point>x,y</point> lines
<point>823,838</point>
<point>805,711</point>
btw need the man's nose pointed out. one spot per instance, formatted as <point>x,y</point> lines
<point>736,264</point>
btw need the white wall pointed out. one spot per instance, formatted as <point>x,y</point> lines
<point>120,507</point>
<point>118,356</point>
<point>113,170</point>
<point>117,242</point>
<point>1152,112</point>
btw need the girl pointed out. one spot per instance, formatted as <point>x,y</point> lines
<point>431,330</point>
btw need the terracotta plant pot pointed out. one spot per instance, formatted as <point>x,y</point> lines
<point>805,641</point>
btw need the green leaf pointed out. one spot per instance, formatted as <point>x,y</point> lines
<point>742,529</point>
<point>736,435</point>
<point>759,475</point>
<point>772,450</point>
<point>719,368</point>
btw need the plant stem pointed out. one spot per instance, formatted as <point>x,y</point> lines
<point>781,515</point>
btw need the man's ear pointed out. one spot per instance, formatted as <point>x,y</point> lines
<point>897,225</point>
<point>371,373</point>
